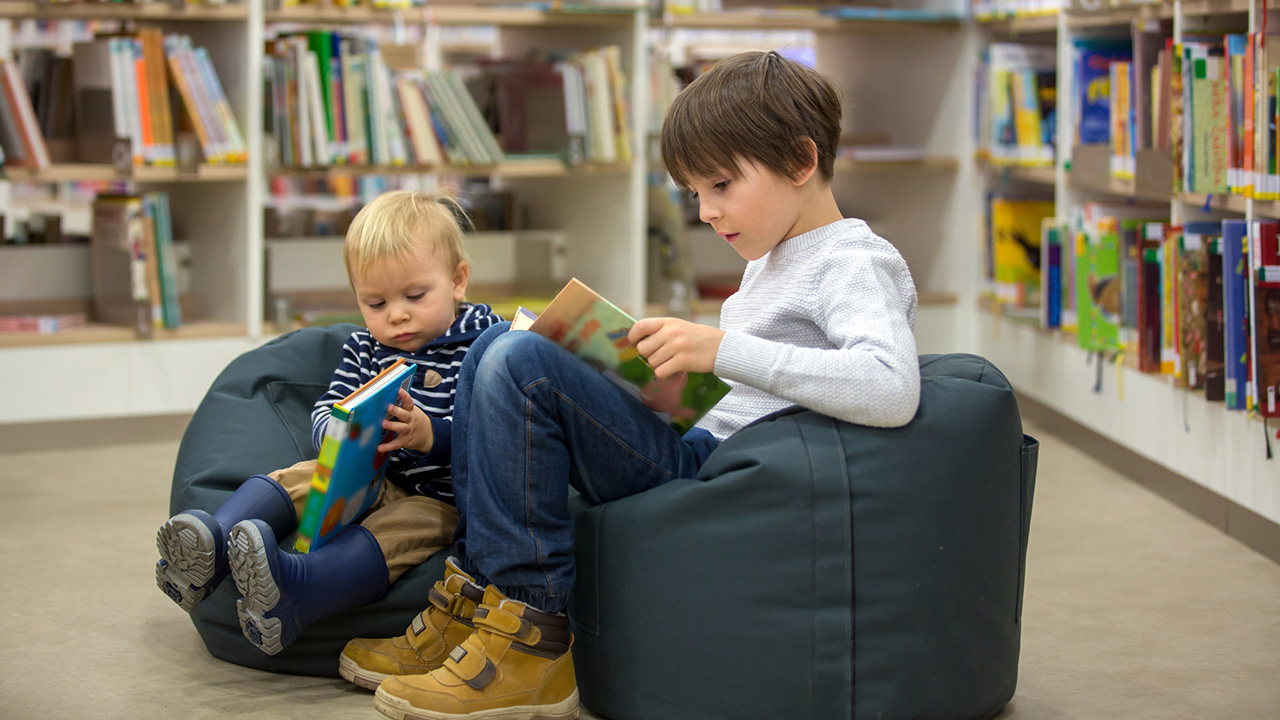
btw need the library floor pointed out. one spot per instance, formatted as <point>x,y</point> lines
<point>1134,609</point>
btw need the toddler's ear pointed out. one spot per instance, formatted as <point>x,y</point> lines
<point>461,276</point>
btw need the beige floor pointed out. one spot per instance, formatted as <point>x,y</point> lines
<point>1133,609</point>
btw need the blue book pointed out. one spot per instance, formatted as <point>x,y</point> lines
<point>1234,317</point>
<point>1092,86</point>
<point>350,470</point>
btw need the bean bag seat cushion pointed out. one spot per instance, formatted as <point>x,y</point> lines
<point>819,570</point>
<point>256,418</point>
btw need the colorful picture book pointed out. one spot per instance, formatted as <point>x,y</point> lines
<point>594,329</point>
<point>350,470</point>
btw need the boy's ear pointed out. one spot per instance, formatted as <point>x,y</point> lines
<point>461,276</point>
<point>806,168</point>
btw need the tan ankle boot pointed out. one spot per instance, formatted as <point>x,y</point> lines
<point>516,666</point>
<point>428,640</point>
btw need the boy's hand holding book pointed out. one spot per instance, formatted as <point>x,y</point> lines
<point>673,346</point>
<point>410,424</point>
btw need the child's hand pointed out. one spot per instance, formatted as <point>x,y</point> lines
<point>412,427</point>
<point>673,346</point>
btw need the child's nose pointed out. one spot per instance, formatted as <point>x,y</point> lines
<point>706,211</point>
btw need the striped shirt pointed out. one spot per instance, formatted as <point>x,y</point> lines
<point>363,357</point>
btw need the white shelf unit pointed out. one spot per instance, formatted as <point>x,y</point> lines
<point>599,210</point>
<point>1149,415</point>
<point>102,371</point>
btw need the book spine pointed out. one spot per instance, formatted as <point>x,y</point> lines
<point>142,100</point>
<point>186,92</point>
<point>237,149</point>
<point>314,510</point>
<point>158,89</point>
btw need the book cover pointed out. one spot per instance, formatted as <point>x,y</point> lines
<point>1016,227</point>
<point>117,258</point>
<point>1149,298</point>
<point>594,329</point>
<point>1092,87</point>
<point>1169,360</point>
<point>1098,291</point>
<point>350,470</point>
<point>1215,327</point>
<point>1193,296</point>
<point>1234,318</point>
<point>1266,347</point>
<point>1051,241</point>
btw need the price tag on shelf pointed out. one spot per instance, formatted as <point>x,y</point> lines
<point>187,147</point>
<point>122,156</point>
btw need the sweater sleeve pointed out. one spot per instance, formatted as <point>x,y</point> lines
<point>869,373</point>
<point>353,370</point>
<point>441,454</point>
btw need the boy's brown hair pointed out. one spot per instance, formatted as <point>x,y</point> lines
<point>754,106</point>
<point>399,221</point>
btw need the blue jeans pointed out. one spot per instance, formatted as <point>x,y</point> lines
<point>530,421</point>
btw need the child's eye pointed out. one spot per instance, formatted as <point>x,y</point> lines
<point>415,296</point>
<point>375,305</point>
<point>722,185</point>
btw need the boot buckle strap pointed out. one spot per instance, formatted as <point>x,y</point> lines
<point>473,667</point>
<point>454,604</point>
<point>508,624</point>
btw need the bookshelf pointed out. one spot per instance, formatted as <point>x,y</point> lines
<point>1150,415</point>
<point>119,374</point>
<point>595,210</point>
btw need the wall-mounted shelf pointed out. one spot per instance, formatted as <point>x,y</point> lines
<point>450,15</point>
<point>121,11</point>
<point>797,20</point>
<point>99,333</point>
<point>548,168</point>
<point>80,172</point>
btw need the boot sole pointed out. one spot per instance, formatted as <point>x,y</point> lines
<point>188,559</point>
<point>399,709</point>
<point>353,673</point>
<point>258,590</point>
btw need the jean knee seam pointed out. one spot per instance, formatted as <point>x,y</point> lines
<point>528,455</point>
<point>610,435</point>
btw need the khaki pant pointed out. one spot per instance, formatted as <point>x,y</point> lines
<point>408,528</point>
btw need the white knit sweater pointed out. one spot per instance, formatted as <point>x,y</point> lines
<point>824,321</point>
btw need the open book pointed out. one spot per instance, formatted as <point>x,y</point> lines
<point>350,469</point>
<point>594,329</point>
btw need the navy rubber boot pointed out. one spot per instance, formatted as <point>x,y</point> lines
<point>193,544</point>
<point>283,593</point>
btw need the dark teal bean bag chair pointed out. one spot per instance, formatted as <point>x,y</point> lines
<point>813,570</point>
<point>257,418</point>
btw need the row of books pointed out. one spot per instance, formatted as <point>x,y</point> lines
<point>120,87</point>
<point>1016,100</point>
<point>1198,301</point>
<point>1002,9</point>
<point>133,262</point>
<point>334,99</point>
<point>1210,102</point>
<point>48,324</point>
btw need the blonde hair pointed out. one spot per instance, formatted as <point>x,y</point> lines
<point>400,221</point>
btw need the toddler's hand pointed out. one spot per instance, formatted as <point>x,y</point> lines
<point>411,425</point>
<point>673,346</point>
